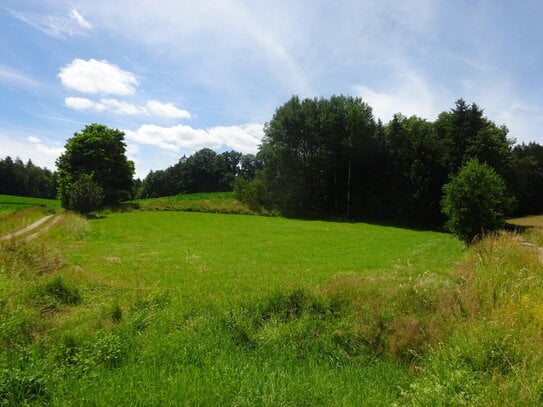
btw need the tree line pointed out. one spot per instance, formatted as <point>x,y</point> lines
<point>204,171</point>
<point>18,178</point>
<point>325,158</point>
<point>331,158</point>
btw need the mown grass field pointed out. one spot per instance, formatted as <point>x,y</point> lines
<point>180,308</point>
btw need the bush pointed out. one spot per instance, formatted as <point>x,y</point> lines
<point>475,201</point>
<point>85,196</point>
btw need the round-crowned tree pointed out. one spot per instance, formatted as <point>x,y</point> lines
<point>475,201</point>
<point>95,158</point>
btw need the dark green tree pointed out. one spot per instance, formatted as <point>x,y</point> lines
<point>248,166</point>
<point>318,156</point>
<point>227,168</point>
<point>475,201</point>
<point>198,172</point>
<point>528,178</point>
<point>414,172</point>
<point>99,152</point>
<point>17,178</point>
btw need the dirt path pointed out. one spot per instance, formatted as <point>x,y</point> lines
<point>45,228</point>
<point>31,227</point>
<point>530,246</point>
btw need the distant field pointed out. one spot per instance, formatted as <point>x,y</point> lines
<point>11,203</point>
<point>212,202</point>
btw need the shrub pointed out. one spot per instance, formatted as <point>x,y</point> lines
<point>84,195</point>
<point>475,201</point>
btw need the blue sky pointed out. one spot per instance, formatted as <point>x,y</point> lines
<point>178,76</point>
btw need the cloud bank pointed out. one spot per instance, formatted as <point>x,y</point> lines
<point>245,138</point>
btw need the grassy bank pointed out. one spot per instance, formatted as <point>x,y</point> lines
<point>11,203</point>
<point>17,212</point>
<point>158,308</point>
<point>211,202</point>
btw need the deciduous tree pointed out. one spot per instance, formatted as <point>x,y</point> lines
<point>100,153</point>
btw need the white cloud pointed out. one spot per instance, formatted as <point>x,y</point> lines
<point>97,77</point>
<point>118,107</point>
<point>166,110</point>
<point>153,107</point>
<point>40,147</point>
<point>56,26</point>
<point>244,138</point>
<point>226,37</point>
<point>80,103</point>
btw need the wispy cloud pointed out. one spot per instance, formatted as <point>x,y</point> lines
<point>68,25</point>
<point>14,77</point>
<point>80,19</point>
<point>41,147</point>
<point>25,146</point>
<point>409,95</point>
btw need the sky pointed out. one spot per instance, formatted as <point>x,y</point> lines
<point>177,76</point>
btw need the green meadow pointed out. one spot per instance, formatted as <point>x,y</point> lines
<point>11,203</point>
<point>185,308</point>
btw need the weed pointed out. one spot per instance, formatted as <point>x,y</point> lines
<point>56,292</point>
<point>116,313</point>
<point>21,387</point>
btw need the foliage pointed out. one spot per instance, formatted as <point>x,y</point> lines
<point>475,201</point>
<point>97,152</point>
<point>85,195</point>
<point>317,156</point>
<point>17,178</point>
<point>204,171</point>
<point>528,175</point>
<point>329,158</point>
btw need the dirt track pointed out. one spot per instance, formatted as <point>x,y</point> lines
<point>30,228</point>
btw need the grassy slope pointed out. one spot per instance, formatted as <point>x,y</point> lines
<point>11,203</point>
<point>190,308</point>
<point>185,307</point>
<point>212,202</point>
